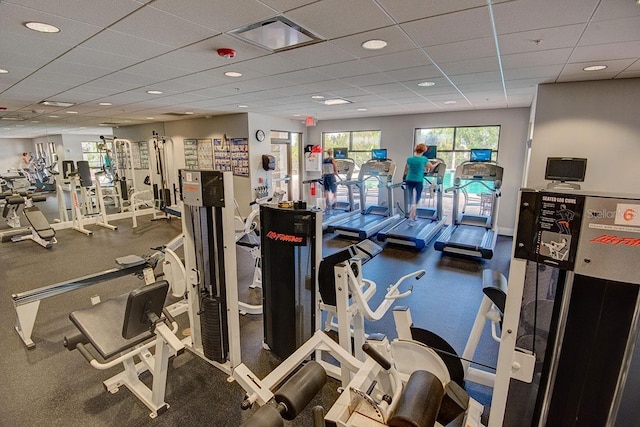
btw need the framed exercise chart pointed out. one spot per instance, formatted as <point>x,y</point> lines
<point>221,155</point>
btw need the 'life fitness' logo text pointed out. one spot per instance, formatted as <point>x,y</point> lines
<point>282,237</point>
<point>615,240</point>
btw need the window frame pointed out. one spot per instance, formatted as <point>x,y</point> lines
<point>350,134</point>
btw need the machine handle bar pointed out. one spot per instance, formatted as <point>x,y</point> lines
<point>375,355</point>
<point>392,291</point>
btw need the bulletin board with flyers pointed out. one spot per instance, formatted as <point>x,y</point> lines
<point>239,148</point>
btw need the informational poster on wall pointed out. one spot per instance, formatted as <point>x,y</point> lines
<point>222,155</point>
<point>205,154</point>
<point>239,156</point>
<point>143,157</point>
<point>559,228</point>
<point>191,153</point>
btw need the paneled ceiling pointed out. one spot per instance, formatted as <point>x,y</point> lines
<point>479,53</point>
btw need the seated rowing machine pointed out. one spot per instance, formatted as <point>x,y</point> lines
<point>143,328</point>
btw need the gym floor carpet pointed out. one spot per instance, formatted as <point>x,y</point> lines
<point>51,386</point>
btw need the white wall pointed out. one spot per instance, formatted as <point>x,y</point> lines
<point>598,120</point>
<point>242,125</point>
<point>398,133</point>
<point>11,150</point>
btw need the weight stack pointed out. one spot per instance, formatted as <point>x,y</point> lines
<point>214,340</point>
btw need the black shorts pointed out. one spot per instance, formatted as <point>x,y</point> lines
<point>329,183</point>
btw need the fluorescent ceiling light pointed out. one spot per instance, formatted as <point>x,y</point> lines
<point>42,27</point>
<point>374,44</point>
<point>3,71</point>
<point>10,118</point>
<point>243,106</point>
<point>317,97</point>
<point>57,103</point>
<point>233,74</point>
<point>595,68</point>
<point>71,112</point>
<point>188,112</point>
<point>450,102</point>
<point>296,115</point>
<point>154,92</point>
<point>105,104</point>
<point>362,109</point>
<point>35,121</point>
<point>149,118</point>
<point>335,101</point>
<point>275,34</point>
<point>54,117</point>
<point>426,84</point>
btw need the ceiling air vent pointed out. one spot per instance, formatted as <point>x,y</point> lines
<point>276,34</point>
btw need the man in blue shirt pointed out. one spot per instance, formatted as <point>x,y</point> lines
<point>415,179</point>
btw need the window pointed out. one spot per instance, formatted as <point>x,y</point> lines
<point>359,143</point>
<point>455,144</point>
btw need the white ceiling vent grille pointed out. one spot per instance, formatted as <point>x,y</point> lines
<point>276,34</point>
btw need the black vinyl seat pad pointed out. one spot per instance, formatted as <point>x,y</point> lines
<point>39,223</point>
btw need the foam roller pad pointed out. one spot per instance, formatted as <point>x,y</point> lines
<point>420,401</point>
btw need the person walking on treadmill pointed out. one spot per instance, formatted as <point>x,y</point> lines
<point>329,182</point>
<point>414,179</point>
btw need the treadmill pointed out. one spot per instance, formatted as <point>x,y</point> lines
<point>374,218</point>
<point>473,234</point>
<point>429,220</point>
<point>342,209</point>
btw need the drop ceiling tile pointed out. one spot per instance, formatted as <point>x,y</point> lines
<point>96,58</point>
<point>518,16</point>
<point>409,10</point>
<point>476,87</point>
<point>428,72</point>
<point>41,50</point>
<point>219,16</point>
<point>285,5</point>
<point>386,88</point>
<point>613,31</point>
<point>525,83</point>
<point>469,25</point>
<point>399,60</point>
<point>95,12</point>
<point>536,59</point>
<point>548,71</point>
<point>161,27</point>
<point>613,66</point>
<point>156,70</point>
<point>368,80</point>
<point>540,39</point>
<point>329,85</point>
<point>615,9</point>
<point>468,49</point>
<point>486,77</point>
<point>303,76</point>
<point>272,64</point>
<point>121,44</point>
<point>606,52</point>
<point>470,66</point>
<point>254,85</point>
<point>347,69</point>
<point>331,19</point>
<point>628,74</point>
<point>203,79</point>
<point>315,55</point>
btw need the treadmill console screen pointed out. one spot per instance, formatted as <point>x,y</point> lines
<point>480,155</point>
<point>432,152</point>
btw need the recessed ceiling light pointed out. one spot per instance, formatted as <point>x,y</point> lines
<point>149,118</point>
<point>3,71</point>
<point>154,92</point>
<point>335,101</point>
<point>296,115</point>
<point>362,109</point>
<point>233,74</point>
<point>71,112</point>
<point>19,126</point>
<point>188,112</point>
<point>426,84</point>
<point>595,68</point>
<point>42,27</point>
<point>243,106</point>
<point>105,104</point>
<point>9,118</point>
<point>57,103</point>
<point>374,44</point>
<point>54,117</point>
<point>450,102</point>
<point>317,97</point>
<point>35,121</point>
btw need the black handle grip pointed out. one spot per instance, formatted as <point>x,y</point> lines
<point>380,359</point>
<point>419,276</point>
<point>169,316</point>
<point>83,351</point>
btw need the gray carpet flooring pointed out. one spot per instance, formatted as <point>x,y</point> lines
<point>51,386</point>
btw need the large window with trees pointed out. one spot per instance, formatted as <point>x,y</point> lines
<point>359,143</point>
<point>455,143</point>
